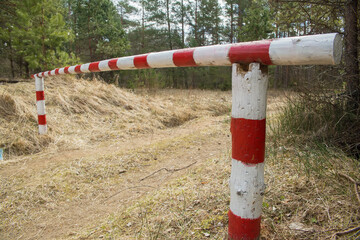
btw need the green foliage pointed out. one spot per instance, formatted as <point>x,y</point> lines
<point>257,22</point>
<point>125,9</point>
<point>36,34</point>
<point>205,23</point>
<point>293,18</point>
<point>98,29</point>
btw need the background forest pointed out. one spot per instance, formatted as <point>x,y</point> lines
<point>38,35</point>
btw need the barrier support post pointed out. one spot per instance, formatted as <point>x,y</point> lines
<point>249,88</point>
<point>40,104</point>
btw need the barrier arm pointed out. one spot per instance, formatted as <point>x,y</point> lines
<point>249,62</point>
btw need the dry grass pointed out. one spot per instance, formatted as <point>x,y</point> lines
<point>90,179</point>
<point>305,197</point>
<point>80,113</point>
<point>297,205</point>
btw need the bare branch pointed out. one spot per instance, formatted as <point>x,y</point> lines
<point>168,170</point>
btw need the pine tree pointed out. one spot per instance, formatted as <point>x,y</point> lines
<point>38,34</point>
<point>256,23</point>
<point>99,32</point>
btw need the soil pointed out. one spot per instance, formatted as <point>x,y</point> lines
<point>64,219</point>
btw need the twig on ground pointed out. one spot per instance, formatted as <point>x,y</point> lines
<point>143,186</point>
<point>355,185</point>
<point>349,178</point>
<point>345,232</point>
<point>168,170</point>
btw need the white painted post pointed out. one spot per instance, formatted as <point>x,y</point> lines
<point>40,104</point>
<point>249,87</point>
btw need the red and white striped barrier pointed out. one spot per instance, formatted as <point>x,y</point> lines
<point>315,49</point>
<point>40,104</point>
<point>248,149</point>
<point>249,86</point>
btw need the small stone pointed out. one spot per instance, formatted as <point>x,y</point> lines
<point>129,224</point>
<point>207,234</point>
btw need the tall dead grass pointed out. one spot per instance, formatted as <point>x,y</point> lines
<point>319,115</point>
<point>81,112</point>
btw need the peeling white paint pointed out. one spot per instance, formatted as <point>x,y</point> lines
<point>249,92</point>
<point>216,55</point>
<point>61,71</point>
<point>71,70</point>
<point>126,63</point>
<point>42,129</point>
<point>85,68</point>
<point>161,59</point>
<point>40,107</point>
<point>322,49</point>
<point>104,65</point>
<point>246,189</point>
<point>39,84</point>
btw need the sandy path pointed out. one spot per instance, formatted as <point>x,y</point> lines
<point>66,218</point>
<point>28,182</point>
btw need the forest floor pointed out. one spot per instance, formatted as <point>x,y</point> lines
<point>153,165</point>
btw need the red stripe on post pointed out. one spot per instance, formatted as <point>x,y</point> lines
<point>77,69</point>
<point>49,73</point>
<point>66,70</point>
<point>248,140</point>
<point>141,61</point>
<point>243,228</point>
<point>184,58</point>
<point>42,119</point>
<point>57,71</point>
<point>94,67</point>
<point>251,52</point>
<point>112,64</point>
<point>40,95</point>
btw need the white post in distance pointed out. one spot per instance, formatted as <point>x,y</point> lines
<point>40,104</point>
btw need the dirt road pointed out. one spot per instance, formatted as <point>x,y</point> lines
<point>54,195</point>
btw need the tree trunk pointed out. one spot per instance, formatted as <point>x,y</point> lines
<point>196,22</point>
<point>240,20</point>
<point>351,55</point>
<point>43,38</point>
<point>121,16</point>
<point>20,64</point>
<point>89,40</point>
<point>12,66</point>
<point>182,24</point>
<point>276,77</point>
<point>69,16</point>
<point>185,76</point>
<point>142,26</point>
<point>27,70</point>
<point>11,58</point>
<point>168,23</point>
<point>231,22</point>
